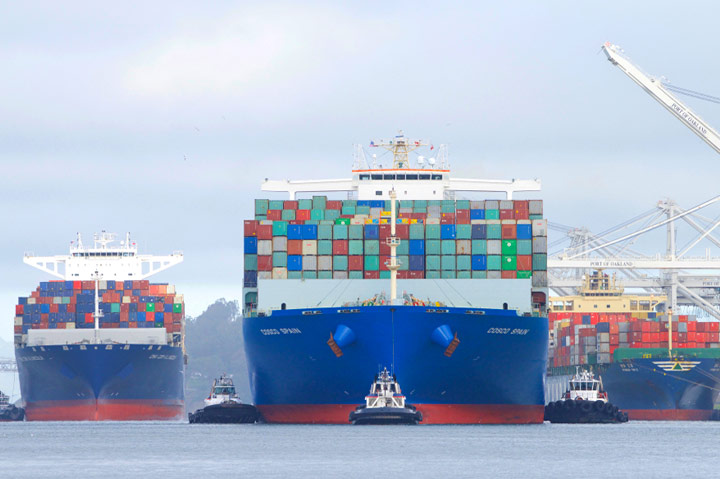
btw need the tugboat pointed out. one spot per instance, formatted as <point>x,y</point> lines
<point>385,404</point>
<point>586,402</point>
<point>223,406</point>
<point>10,412</point>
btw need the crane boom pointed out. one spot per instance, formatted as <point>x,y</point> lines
<point>655,89</point>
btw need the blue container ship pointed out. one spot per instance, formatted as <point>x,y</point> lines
<point>462,327</point>
<point>101,343</point>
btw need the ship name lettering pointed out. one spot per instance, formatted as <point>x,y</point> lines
<point>290,331</point>
<point>269,332</point>
<point>169,357</point>
<point>498,330</point>
<point>31,358</point>
<point>521,332</point>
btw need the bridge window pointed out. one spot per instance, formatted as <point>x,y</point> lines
<point>376,177</point>
<point>411,177</point>
<point>388,177</point>
<point>424,177</point>
<point>437,177</point>
<point>400,177</point>
<point>364,177</point>
<point>378,193</point>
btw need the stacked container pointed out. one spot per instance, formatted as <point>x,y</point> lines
<point>124,304</point>
<point>318,238</point>
<point>582,338</point>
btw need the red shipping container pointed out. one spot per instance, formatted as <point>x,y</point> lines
<point>447,219</point>
<point>124,316</point>
<point>508,274</point>
<point>294,247</point>
<point>384,248</point>
<point>417,274</point>
<point>264,232</point>
<point>77,284</point>
<point>54,308</point>
<point>274,215</point>
<point>614,328</point>
<point>713,337</point>
<point>302,215</point>
<point>614,339</point>
<point>250,227</point>
<point>507,214</point>
<point>403,274</point>
<point>700,327</point>
<point>384,260</point>
<point>691,336</point>
<point>134,299</point>
<point>682,337</point>
<point>18,329</point>
<point>340,247</point>
<point>265,262</point>
<point>691,326</point>
<point>714,326</point>
<point>88,285</point>
<point>132,324</point>
<point>384,231</point>
<point>509,231</point>
<point>150,316</point>
<point>71,308</point>
<point>402,231</point>
<point>372,274</point>
<point>290,205</point>
<point>177,317</point>
<point>89,318</point>
<point>60,325</point>
<point>355,263</point>
<point>524,263</point>
<point>462,216</point>
<point>691,344</point>
<point>333,205</point>
<point>296,222</point>
<point>19,308</point>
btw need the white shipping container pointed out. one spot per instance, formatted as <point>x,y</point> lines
<point>309,263</point>
<point>69,325</point>
<point>494,275</point>
<point>603,358</point>
<point>535,207</point>
<point>264,274</point>
<point>170,289</point>
<point>539,279</point>
<point>309,247</point>
<point>603,337</point>
<point>463,246</point>
<point>506,205</point>
<point>18,320</point>
<point>264,247</point>
<point>477,205</point>
<point>432,221</point>
<point>603,347</point>
<point>539,227</point>
<point>324,263</point>
<point>279,273</point>
<point>279,244</point>
<point>340,275</point>
<point>31,301</point>
<point>539,244</point>
<point>492,205</point>
<point>623,337</point>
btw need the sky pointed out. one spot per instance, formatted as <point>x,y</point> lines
<point>163,118</point>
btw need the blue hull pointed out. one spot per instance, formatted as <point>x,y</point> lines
<point>102,382</point>
<point>650,389</point>
<point>495,374</point>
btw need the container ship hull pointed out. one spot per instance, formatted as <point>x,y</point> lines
<point>494,375</point>
<point>662,389</point>
<point>90,382</point>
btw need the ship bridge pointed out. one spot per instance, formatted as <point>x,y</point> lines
<point>429,180</point>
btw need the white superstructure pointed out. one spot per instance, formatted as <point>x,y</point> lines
<point>428,181</point>
<point>114,261</point>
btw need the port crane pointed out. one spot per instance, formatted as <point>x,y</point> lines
<point>612,249</point>
<point>661,93</point>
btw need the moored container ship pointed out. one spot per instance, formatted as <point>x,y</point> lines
<point>101,343</point>
<point>654,365</point>
<point>462,326</point>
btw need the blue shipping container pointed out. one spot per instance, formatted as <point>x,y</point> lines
<point>372,231</point>
<point>417,247</point>
<point>416,263</point>
<point>309,232</point>
<point>524,231</point>
<point>294,262</point>
<point>479,262</point>
<point>477,214</point>
<point>479,231</point>
<point>251,245</point>
<point>447,231</point>
<point>294,232</point>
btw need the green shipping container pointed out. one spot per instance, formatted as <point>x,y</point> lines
<point>325,232</point>
<point>288,215</point>
<point>324,247</point>
<point>536,217</point>
<point>479,247</point>
<point>464,262</point>
<point>355,275</point>
<point>355,232</point>
<point>432,263</point>
<point>309,274</point>
<point>509,247</point>
<point>279,228</point>
<point>318,215</point>
<point>448,274</point>
<point>340,231</point>
<point>340,263</point>
<point>479,274</point>
<point>294,274</point>
<point>492,214</point>
<point>352,203</point>
<point>509,263</point>
<point>260,217</point>
<point>494,231</point>
<point>342,222</point>
<point>261,207</point>
<point>319,202</point>
<point>494,263</point>
<point>177,308</point>
<point>404,262</point>
<point>524,247</point>
<point>462,204</point>
<point>325,275</point>
<point>384,274</point>
<point>447,263</point>
<point>463,231</point>
<point>114,307</point>
<point>417,231</point>
<point>432,231</point>
<point>372,263</point>
<point>279,260</point>
<point>332,215</point>
<point>250,262</point>
<point>372,247</point>
<point>348,211</point>
<point>524,274</point>
<point>406,203</point>
<point>420,204</point>
<point>432,246</point>
<point>403,248</point>
<point>355,247</point>
<point>539,262</point>
<point>362,210</point>
<point>448,247</point>
<point>150,307</point>
<point>305,204</point>
<point>432,274</point>
<point>275,204</point>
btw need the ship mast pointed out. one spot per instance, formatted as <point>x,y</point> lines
<point>400,147</point>
<point>97,314</point>
<point>393,241</point>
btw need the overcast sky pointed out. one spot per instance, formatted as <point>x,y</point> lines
<point>163,118</point>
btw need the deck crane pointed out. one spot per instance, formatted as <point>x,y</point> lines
<point>655,88</point>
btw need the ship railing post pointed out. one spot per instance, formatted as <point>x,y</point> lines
<point>393,266</point>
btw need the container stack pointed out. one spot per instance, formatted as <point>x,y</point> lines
<point>322,239</point>
<point>582,338</point>
<point>124,304</point>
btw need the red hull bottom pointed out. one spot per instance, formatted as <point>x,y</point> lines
<point>432,413</point>
<point>137,410</point>
<point>669,414</point>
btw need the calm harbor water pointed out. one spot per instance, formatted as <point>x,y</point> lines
<point>159,450</point>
